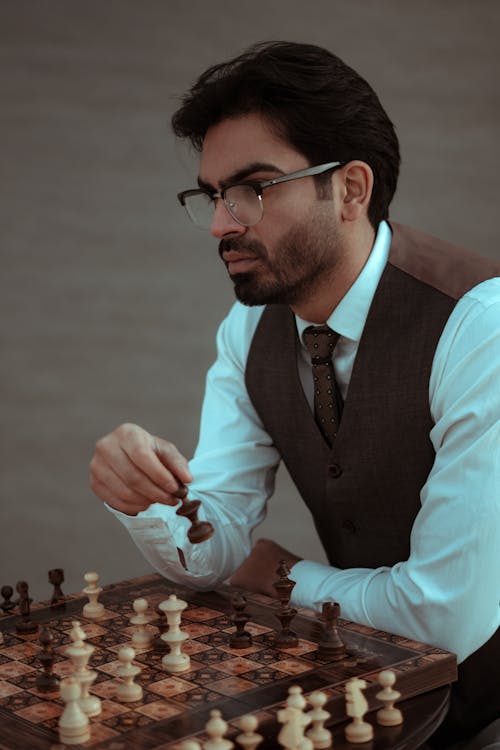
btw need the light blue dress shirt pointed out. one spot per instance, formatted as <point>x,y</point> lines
<point>447,593</point>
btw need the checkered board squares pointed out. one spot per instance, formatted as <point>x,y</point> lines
<point>173,707</point>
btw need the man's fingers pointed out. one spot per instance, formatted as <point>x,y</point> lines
<point>114,501</point>
<point>173,459</point>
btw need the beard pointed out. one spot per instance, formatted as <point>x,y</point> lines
<point>303,257</point>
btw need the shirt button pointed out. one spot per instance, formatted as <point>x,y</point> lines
<point>334,470</point>
<point>349,526</point>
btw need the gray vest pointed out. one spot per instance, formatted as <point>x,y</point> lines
<point>364,492</point>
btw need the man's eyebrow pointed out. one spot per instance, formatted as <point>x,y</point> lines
<point>241,174</point>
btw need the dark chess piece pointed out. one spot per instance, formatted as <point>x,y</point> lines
<point>199,531</point>
<point>161,623</point>
<point>241,638</point>
<point>7,605</point>
<point>56,577</point>
<point>286,638</point>
<point>24,626</point>
<point>47,681</point>
<point>331,645</point>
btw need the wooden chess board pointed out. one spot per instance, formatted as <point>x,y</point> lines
<point>252,680</point>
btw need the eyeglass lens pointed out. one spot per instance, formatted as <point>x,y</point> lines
<point>242,202</point>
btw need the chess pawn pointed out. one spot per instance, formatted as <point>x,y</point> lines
<point>141,638</point>
<point>47,681</point>
<point>249,739</point>
<point>7,605</point>
<point>175,661</point>
<point>127,691</point>
<point>356,707</point>
<point>216,727</point>
<point>388,716</point>
<point>73,723</point>
<point>56,578</point>
<point>320,736</point>
<point>190,745</point>
<point>93,609</point>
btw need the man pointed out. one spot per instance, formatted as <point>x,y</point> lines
<point>394,447</point>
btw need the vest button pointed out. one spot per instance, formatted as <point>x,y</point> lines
<point>334,470</point>
<point>349,526</point>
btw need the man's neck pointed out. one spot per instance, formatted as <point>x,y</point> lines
<point>319,305</point>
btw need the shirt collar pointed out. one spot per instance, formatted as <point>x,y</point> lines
<point>349,317</point>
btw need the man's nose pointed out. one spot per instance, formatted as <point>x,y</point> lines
<point>223,225</point>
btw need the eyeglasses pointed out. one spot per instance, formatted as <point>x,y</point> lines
<point>243,200</point>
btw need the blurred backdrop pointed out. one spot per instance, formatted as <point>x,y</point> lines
<point>108,295</point>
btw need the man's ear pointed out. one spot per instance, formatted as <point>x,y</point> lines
<point>356,185</point>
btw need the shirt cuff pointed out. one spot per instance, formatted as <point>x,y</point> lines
<point>308,576</point>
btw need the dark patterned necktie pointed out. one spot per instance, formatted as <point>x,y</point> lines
<point>320,342</point>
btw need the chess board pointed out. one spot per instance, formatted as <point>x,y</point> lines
<point>252,680</point>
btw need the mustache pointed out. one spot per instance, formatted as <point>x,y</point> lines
<point>243,246</point>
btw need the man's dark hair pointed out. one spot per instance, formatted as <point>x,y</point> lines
<point>313,100</point>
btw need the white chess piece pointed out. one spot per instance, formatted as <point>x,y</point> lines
<point>294,720</point>
<point>73,723</point>
<point>142,637</point>
<point>127,691</point>
<point>356,707</point>
<point>176,661</point>
<point>190,745</point>
<point>93,609</point>
<point>388,716</point>
<point>320,736</point>
<point>79,653</point>
<point>249,739</point>
<point>216,727</point>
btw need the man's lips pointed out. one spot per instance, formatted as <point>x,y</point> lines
<point>238,262</point>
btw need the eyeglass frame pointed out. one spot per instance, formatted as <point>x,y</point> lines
<point>258,185</point>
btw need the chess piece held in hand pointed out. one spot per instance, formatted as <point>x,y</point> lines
<point>199,531</point>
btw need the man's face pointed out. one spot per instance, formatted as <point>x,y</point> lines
<point>282,258</point>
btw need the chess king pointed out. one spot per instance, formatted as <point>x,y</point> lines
<point>362,353</point>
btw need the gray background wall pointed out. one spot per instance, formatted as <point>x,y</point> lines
<point>108,296</point>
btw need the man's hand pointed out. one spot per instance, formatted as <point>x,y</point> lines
<point>258,572</point>
<point>131,469</point>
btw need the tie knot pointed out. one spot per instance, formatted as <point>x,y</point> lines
<point>320,342</point>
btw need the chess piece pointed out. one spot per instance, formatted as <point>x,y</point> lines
<point>199,531</point>
<point>320,736</point>
<point>141,638</point>
<point>216,727</point>
<point>73,723</point>
<point>159,644</point>
<point>331,646</point>
<point>175,661</point>
<point>79,653</point>
<point>286,638</point>
<point>356,707</point>
<point>7,605</point>
<point>241,638</point>
<point>249,739</point>
<point>47,681</point>
<point>93,609</point>
<point>294,720</point>
<point>25,626</point>
<point>56,578</point>
<point>190,745</point>
<point>127,691</point>
<point>388,716</point>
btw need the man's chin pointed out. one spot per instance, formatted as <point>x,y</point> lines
<point>250,293</point>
